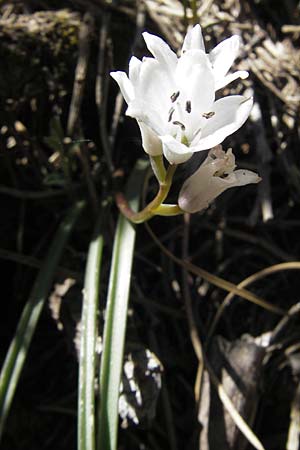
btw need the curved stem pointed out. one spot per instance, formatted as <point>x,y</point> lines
<point>158,167</point>
<point>168,210</point>
<point>150,210</point>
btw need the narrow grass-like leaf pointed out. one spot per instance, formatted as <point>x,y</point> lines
<point>116,317</point>
<point>19,346</point>
<point>215,280</point>
<point>86,389</point>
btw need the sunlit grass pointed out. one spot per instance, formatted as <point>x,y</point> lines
<point>116,318</point>
<point>89,334</point>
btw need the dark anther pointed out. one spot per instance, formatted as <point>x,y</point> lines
<point>188,106</point>
<point>176,122</point>
<point>222,175</point>
<point>171,112</point>
<point>208,115</point>
<point>174,96</point>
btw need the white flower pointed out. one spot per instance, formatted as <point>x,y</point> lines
<point>221,57</point>
<point>173,99</point>
<point>214,176</point>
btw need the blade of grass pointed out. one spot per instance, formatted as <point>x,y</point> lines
<point>292,265</point>
<point>234,414</point>
<point>86,385</point>
<point>215,280</point>
<point>116,317</point>
<point>19,346</point>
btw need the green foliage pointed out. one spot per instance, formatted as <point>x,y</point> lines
<point>116,318</point>
<point>17,353</point>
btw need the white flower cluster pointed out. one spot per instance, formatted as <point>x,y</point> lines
<point>174,102</point>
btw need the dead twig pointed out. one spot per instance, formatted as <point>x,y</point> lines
<point>101,89</point>
<point>35,195</point>
<point>196,342</point>
<point>264,157</point>
<point>119,102</point>
<point>86,29</point>
<point>30,261</point>
<point>85,32</point>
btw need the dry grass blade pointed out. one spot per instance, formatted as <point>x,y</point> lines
<point>196,342</point>
<point>294,430</point>
<point>202,358</point>
<point>217,281</point>
<point>249,280</point>
<point>236,417</point>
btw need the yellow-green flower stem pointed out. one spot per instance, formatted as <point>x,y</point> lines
<point>158,167</point>
<point>150,210</point>
<point>168,210</point>
<point>194,11</point>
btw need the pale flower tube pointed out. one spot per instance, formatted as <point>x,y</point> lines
<point>216,174</point>
<point>173,99</point>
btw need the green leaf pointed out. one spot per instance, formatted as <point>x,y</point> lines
<point>19,346</point>
<point>86,389</point>
<point>116,317</point>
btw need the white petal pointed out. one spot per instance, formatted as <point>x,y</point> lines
<point>125,85</point>
<point>160,50</point>
<point>134,69</point>
<point>175,151</point>
<point>230,114</point>
<point>195,80</point>
<point>243,74</point>
<point>241,177</point>
<point>223,55</point>
<point>155,86</point>
<point>143,112</point>
<point>193,40</point>
<point>151,142</point>
<point>199,189</point>
<point>202,187</point>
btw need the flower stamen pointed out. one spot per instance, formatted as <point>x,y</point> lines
<point>175,96</point>
<point>176,122</point>
<point>208,115</point>
<point>171,112</point>
<point>188,106</point>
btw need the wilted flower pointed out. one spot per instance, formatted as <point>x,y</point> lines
<point>216,174</point>
<point>173,99</point>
